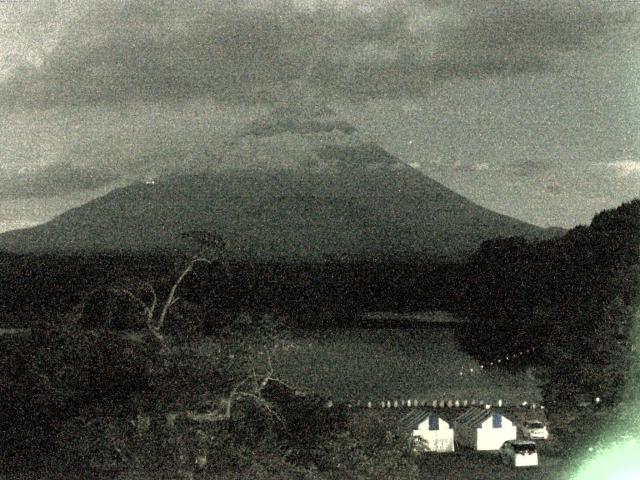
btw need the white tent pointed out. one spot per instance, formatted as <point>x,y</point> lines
<point>484,429</point>
<point>429,432</point>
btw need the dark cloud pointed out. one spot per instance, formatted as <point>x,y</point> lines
<point>529,167</point>
<point>466,167</point>
<point>294,125</point>
<point>538,25</point>
<point>56,180</point>
<point>475,40</point>
<point>360,156</point>
<point>300,119</point>
<point>236,52</point>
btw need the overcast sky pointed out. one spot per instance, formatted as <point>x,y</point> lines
<point>530,108</point>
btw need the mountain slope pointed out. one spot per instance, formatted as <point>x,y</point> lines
<point>352,211</point>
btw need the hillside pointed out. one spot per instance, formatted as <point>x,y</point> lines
<point>279,214</point>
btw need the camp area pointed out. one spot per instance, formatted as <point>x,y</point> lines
<point>427,432</point>
<point>446,430</point>
<point>483,429</point>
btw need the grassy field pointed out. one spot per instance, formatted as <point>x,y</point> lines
<point>376,364</point>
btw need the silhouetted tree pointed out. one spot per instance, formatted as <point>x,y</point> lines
<point>144,295</point>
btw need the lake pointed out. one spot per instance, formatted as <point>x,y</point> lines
<point>375,364</point>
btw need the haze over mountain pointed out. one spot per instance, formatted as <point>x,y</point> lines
<point>298,184</point>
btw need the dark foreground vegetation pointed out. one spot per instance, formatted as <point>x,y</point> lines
<point>109,377</point>
<point>99,404</point>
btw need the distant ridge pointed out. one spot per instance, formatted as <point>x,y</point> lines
<point>553,232</point>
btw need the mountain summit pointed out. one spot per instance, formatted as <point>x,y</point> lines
<point>298,185</point>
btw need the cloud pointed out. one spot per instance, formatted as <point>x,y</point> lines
<point>55,180</point>
<point>293,125</point>
<point>539,25</point>
<point>622,168</point>
<point>245,51</point>
<point>460,166</point>
<point>552,188</point>
<point>7,225</point>
<point>528,167</point>
<point>300,118</point>
<point>83,148</point>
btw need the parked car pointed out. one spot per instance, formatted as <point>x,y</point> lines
<point>535,430</point>
<point>519,453</point>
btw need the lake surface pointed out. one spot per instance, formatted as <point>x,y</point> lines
<point>375,364</point>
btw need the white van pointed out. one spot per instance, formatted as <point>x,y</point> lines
<point>535,430</point>
<point>519,453</point>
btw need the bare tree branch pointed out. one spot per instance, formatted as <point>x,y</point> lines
<point>252,386</point>
<point>155,322</point>
<point>148,310</point>
<point>171,299</point>
<point>137,299</point>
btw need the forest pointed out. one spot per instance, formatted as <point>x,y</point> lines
<point>576,295</point>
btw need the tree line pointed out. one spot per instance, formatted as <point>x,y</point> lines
<point>576,297</point>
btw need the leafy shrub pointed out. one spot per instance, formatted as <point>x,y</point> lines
<point>59,372</point>
<point>21,430</point>
<point>185,321</point>
<point>105,308</point>
<point>70,363</point>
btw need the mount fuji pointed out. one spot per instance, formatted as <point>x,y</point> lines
<point>298,184</point>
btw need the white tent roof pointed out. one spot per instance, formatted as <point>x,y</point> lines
<point>475,417</point>
<point>415,417</point>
